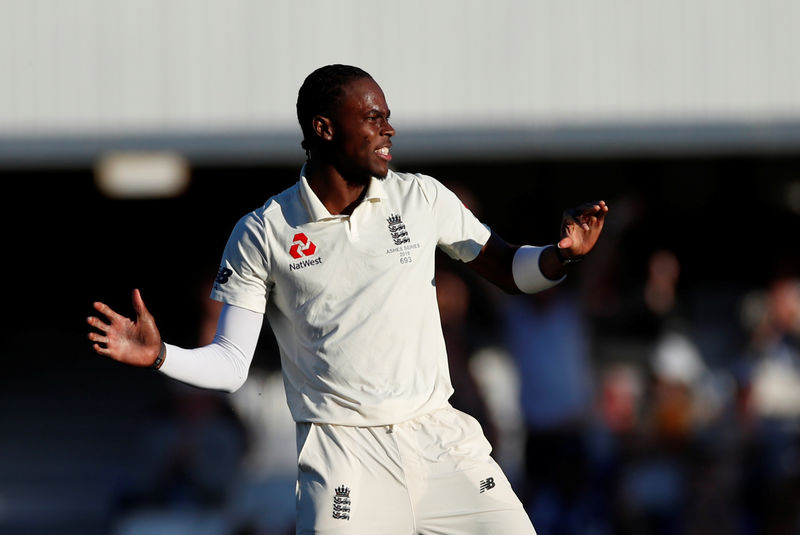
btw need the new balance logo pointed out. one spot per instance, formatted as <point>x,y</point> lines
<point>341,503</point>
<point>222,276</point>
<point>487,484</point>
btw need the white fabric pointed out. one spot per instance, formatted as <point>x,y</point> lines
<point>223,364</point>
<point>527,273</point>
<point>433,474</point>
<point>351,299</point>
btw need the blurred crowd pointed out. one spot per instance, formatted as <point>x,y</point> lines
<point>618,402</point>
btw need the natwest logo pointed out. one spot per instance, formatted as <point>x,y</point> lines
<point>302,246</point>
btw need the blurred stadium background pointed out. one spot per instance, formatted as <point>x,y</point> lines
<point>133,134</point>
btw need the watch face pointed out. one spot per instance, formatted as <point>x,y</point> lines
<point>567,261</point>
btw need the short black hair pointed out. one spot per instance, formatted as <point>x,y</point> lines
<point>320,93</point>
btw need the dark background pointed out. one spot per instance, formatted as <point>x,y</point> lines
<point>728,218</point>
<point>67,415</point>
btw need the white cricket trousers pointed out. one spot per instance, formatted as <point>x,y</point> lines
<point>430,476</point>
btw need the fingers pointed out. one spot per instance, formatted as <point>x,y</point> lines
<point>107,311</point>
<point>97,324</point>
<point>581,227</point>
<point>104,351</point>
<point>586,215</point>
<point>98,338</point>
<point>136,299</point>
<point>128,340</point>
<point>112,317</point>
<point>593,209</point>
<point>101,339</point>
<point>598,210</point>
<point>575,218</point>
<point>143,315</point>
<point>138,304</point>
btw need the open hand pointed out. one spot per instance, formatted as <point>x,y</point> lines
<point>136,342</point>
<point>581,227</point>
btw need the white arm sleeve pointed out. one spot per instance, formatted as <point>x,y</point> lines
<point>224,363</point>
<point>527,274</point>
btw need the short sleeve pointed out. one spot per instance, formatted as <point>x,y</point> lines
<point>243,273</point>
<point>461,234</point>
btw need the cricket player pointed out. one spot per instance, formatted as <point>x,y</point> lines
<point>342,266</point>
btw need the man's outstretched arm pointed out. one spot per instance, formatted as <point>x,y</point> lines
<point>221,365</point>
<point>525,269</point>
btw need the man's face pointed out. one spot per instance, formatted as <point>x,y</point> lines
<point>361,132</point>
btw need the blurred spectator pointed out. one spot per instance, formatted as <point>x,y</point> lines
<point>453,296</point>
<point>193,445</point>
<point>470,325</point>
<point>620,397</point>
<point>771,406</point>
<point>498,379</point>
<point>216,464</point>
<point>547,338</point>
<point>191,453</point>
<point>656,470</point>
<point>262,499</point>
<point>674,476</point>
<point>775,350</point>
<point>661,286</point>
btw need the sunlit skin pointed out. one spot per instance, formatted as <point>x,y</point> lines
<point>135,342</point>
<point>350,147</point>
<point>362,133</point>
<point>580,230</point>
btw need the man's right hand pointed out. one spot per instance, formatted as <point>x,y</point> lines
<point>135,342</point>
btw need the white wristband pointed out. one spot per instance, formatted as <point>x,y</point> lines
<point>527,274</point>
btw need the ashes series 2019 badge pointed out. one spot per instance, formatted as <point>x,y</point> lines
<point>401,239</point>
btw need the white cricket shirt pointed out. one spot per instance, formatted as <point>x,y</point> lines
<point>351,299</point>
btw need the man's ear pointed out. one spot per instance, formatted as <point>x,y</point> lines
<point>323,127</point>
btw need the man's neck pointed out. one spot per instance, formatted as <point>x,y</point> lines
<point>338,195</point>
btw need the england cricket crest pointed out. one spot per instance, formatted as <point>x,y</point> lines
<point>341,503</point>
<point>397,229</point>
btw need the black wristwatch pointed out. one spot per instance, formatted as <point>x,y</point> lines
<point>162,353</point>
<point>564,260</point>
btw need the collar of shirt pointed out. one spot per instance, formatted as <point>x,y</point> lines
<point>317,210</point>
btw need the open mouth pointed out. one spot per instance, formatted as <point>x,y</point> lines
<point>383,152</point>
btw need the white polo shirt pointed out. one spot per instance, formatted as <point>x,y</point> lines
<point>351,299</point>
